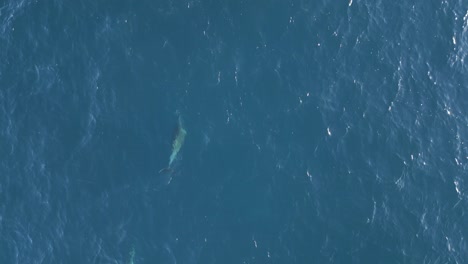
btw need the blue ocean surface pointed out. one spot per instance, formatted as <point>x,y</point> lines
<point>317,131</point>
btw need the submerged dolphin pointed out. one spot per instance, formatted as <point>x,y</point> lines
<point>176,144</point>
<point>178,141</point>
<point>131,256</point>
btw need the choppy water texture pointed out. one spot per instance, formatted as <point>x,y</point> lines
<point>317,131</point>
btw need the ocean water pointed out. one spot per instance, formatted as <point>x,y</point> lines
<point>317,131</point>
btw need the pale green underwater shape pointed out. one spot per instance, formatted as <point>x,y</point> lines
<point>178,142</point>
<point>176,145</point>
<point>132,256</point>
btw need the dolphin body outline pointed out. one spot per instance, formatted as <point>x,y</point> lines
<point>176,144</point>
<point>131,256</point>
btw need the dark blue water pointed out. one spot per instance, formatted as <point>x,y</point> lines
<point>317,131</point>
